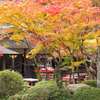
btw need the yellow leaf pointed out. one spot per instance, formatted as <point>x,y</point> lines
<point>17,37</point>
<point>90,43</point>
<point>35,51</point>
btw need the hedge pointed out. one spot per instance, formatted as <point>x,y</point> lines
<point>44,90</point>
<point>87,94</point>
<point>10,83</point>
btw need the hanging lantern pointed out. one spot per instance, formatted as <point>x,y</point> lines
<point>13,56</point>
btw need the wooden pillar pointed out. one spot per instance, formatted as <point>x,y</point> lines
<point>13,63</point>
<point>24,62</point>
<point>4,62</point>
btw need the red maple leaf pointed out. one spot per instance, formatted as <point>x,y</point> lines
<point>52,9</point>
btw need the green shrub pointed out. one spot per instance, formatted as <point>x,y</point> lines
<point>92,83</point>
<point>87,94</point>
<point>20,94</point>
<point>15,97</point>
<point>10,83</point>
<point>27,97</point>
<point>51,91</point>
<point>44,90</point>
<point>74,87</point>
<point>4,98</point>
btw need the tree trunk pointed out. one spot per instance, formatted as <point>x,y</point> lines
<point>58,77</point>
<point>98,67</point>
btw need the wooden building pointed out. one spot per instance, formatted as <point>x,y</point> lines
<point>17,61</point>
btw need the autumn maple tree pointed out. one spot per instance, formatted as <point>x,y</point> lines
<point>52,25</point>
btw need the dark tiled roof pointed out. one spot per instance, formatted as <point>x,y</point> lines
<point>12,44</point>
<point>4,50</point>
<point>19,47</point>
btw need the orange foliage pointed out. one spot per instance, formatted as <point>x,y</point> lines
<point>48,21</point>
